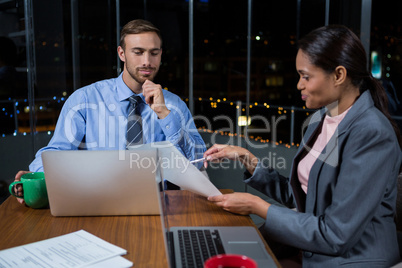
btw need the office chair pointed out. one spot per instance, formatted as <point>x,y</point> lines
<point>398,216</point>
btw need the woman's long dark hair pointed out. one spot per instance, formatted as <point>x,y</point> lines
<point>335,45</point>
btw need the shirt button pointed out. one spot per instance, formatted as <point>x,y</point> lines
<point>167,127</point>
<point>307,254</point>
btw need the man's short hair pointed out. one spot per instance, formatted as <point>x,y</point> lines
<point>137,27</point>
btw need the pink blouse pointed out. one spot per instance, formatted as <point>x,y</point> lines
<point>329,127</point>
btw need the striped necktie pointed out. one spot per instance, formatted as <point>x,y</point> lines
<point>134,122</point>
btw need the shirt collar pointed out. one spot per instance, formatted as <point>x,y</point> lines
<point>123,91</point>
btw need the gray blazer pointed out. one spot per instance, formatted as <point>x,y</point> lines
<point>347,217</point>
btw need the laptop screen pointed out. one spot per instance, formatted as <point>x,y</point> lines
<point>91,183</point>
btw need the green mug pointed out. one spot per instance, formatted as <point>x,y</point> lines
<point>34,189</point>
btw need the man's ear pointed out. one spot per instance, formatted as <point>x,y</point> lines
<point>340,75</point>
<point>120,52</point>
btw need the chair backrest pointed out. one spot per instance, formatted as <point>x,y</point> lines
<point>398,218</point>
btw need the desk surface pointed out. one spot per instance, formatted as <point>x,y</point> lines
<point>141,236</point>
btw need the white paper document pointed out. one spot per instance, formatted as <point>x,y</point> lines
<point>118,262</point>
<point>78,249</point>
<point>177,169</point>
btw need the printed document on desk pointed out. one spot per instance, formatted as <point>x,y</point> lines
<point>77,249</point>
<point>177,169</point>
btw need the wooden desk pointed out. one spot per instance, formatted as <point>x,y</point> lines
<point>141,236</point>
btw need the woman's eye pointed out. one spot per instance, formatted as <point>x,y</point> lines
<point>305,78</point>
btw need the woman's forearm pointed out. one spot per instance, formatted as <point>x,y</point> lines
<point>249,160</point>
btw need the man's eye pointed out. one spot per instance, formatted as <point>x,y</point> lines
<point>155,53</point>
<point>305,78</point>
<point>138,52</point>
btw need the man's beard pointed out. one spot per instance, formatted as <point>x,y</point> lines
<point>140,79</point>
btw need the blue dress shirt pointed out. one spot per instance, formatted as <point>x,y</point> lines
<point>95,118</point>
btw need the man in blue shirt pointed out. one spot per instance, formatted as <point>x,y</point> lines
<point>95,117</point>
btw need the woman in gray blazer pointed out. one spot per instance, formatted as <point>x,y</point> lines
<point>343,177</point>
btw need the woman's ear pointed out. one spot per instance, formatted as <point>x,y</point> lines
<point>340,75</point>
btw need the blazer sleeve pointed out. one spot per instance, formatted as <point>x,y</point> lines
<point>269,182</point>
<point>369,159</point>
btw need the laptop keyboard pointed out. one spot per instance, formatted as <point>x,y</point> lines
<point>196,246</point>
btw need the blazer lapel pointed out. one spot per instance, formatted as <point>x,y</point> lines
<point>310,136</point>
<point>330,154</point>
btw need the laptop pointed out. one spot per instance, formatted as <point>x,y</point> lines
<point>191,246</point>
<point>101,183</point>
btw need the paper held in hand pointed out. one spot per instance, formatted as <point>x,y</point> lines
<point>177,169</point>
